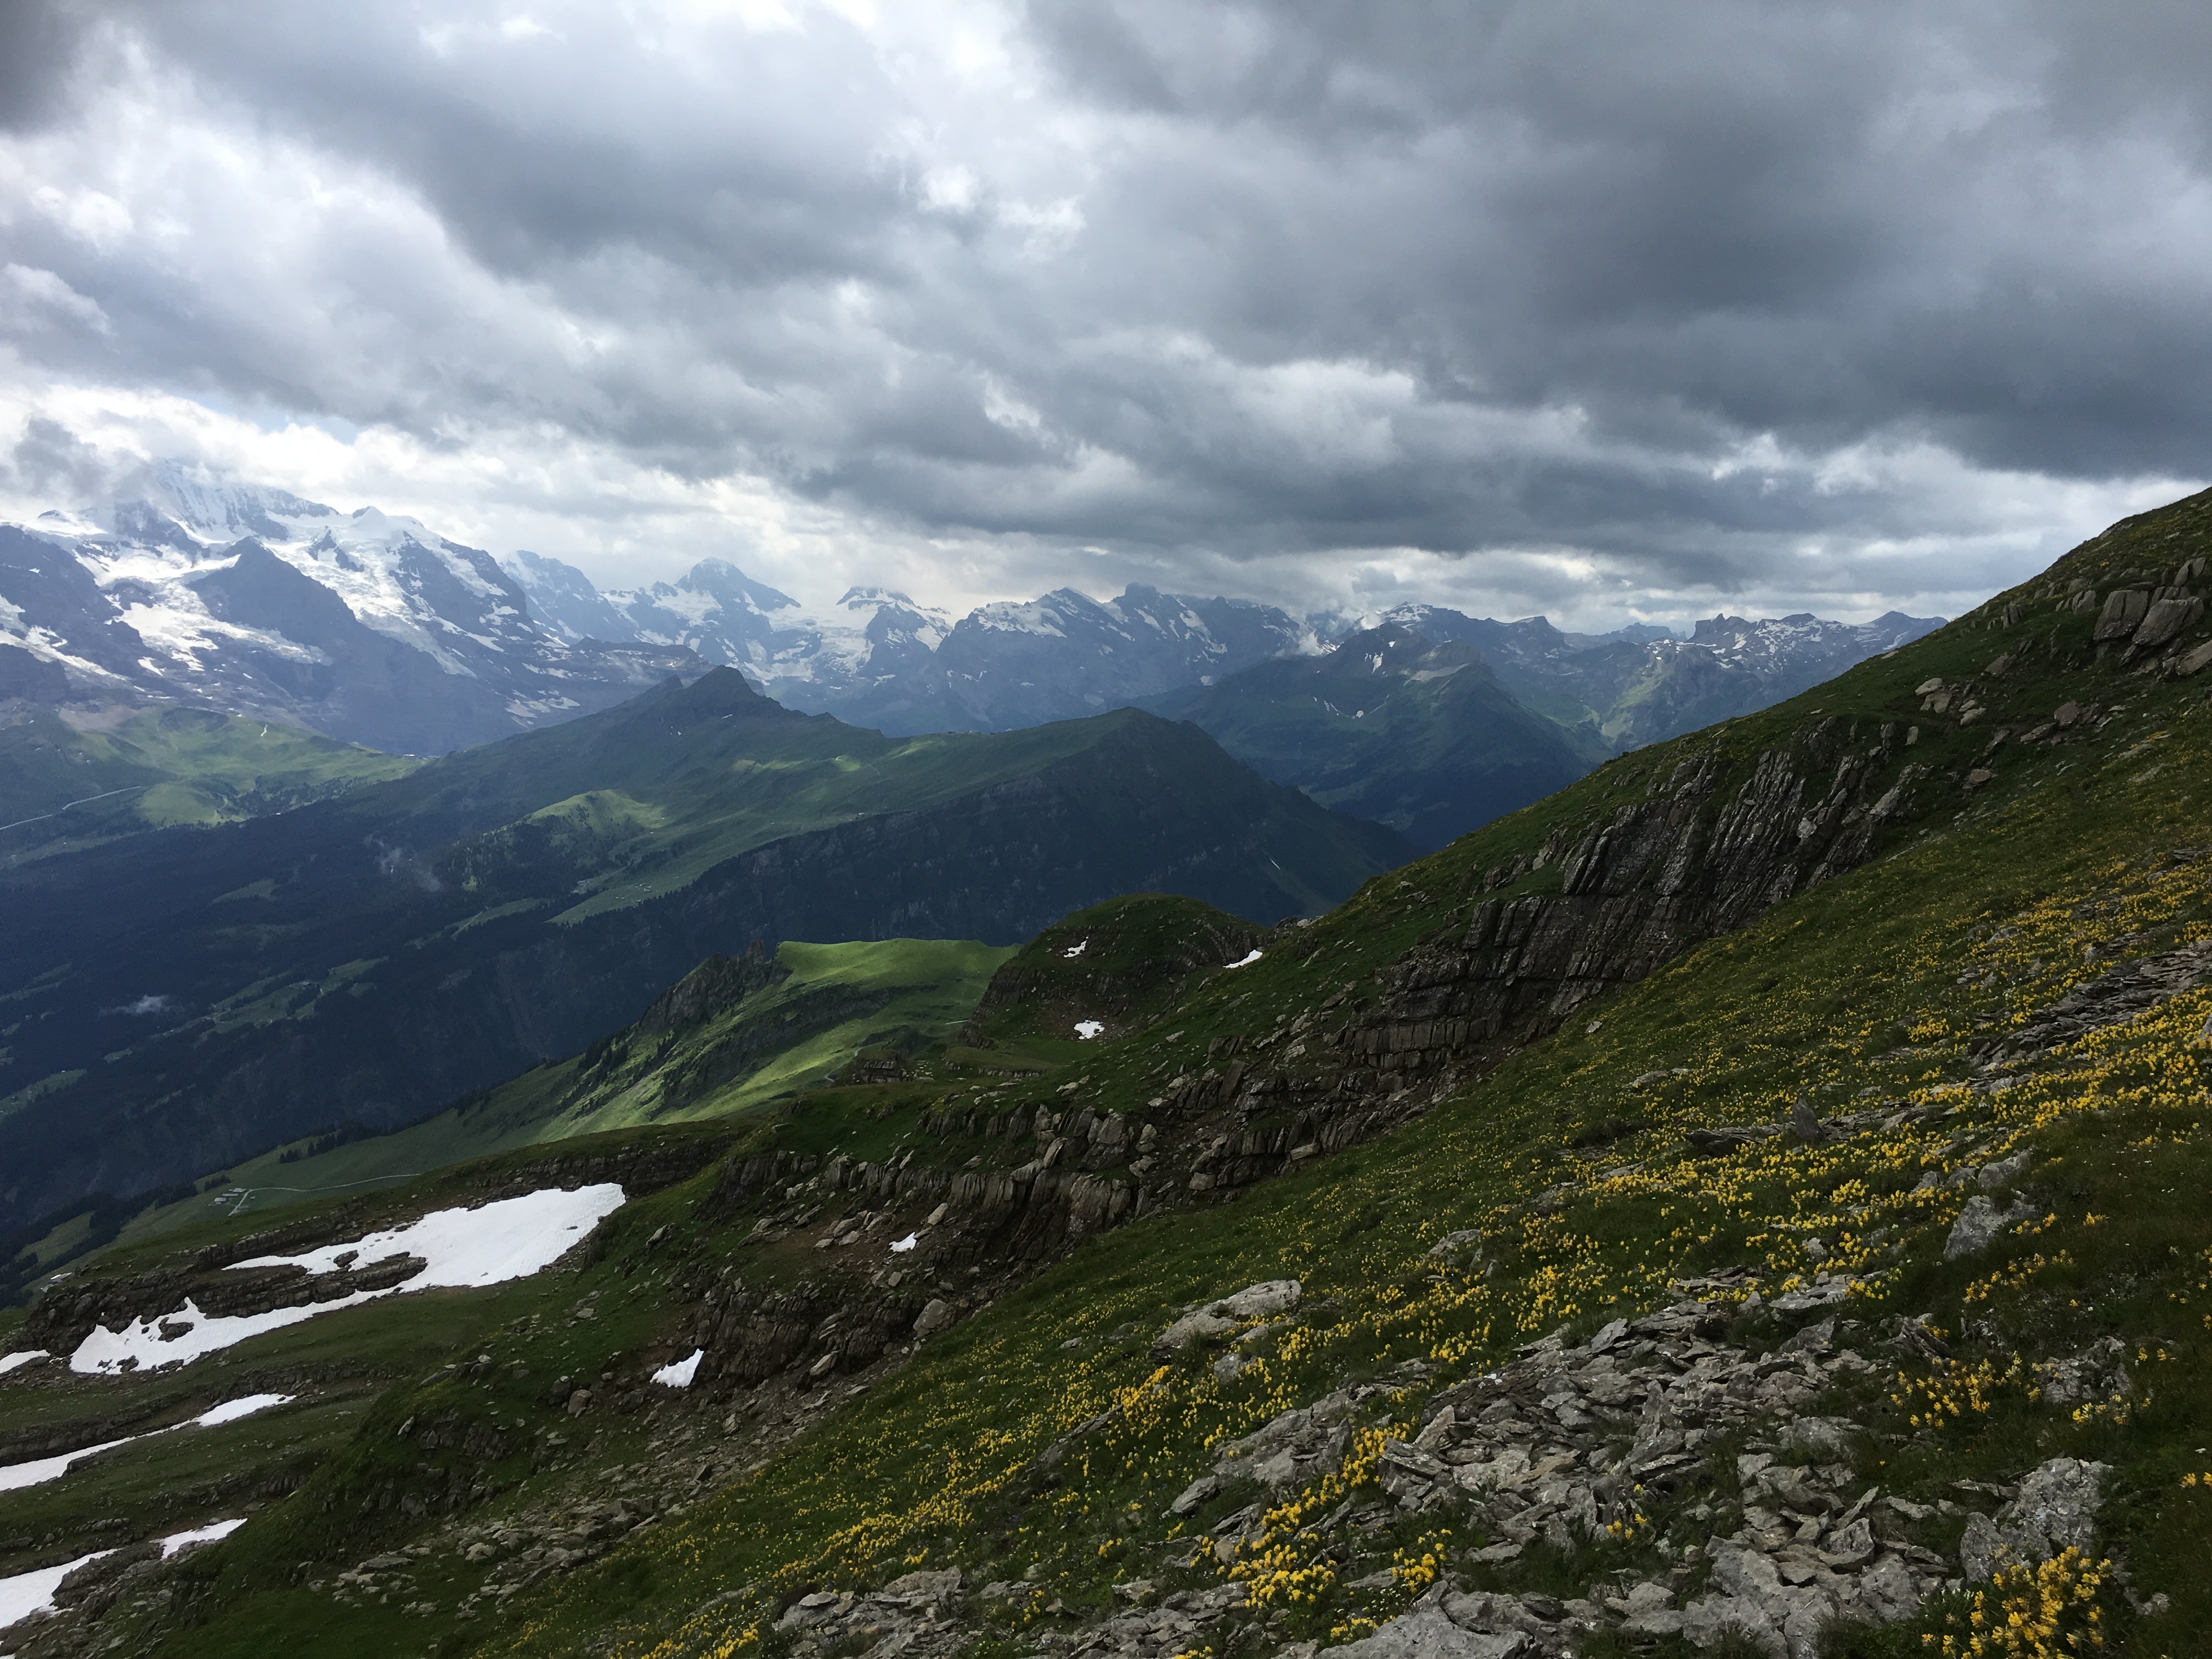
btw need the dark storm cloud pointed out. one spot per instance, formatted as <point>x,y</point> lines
<point>1650,282</point>
<point>52,460</point>
<point>39,44</point>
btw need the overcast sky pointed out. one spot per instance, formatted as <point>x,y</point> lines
<point>1608,311</point>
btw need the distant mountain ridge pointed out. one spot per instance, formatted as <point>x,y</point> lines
<point>184,995</point>
<point>881,659</point>
<point>1643,685</point>
<point>1395,726</point>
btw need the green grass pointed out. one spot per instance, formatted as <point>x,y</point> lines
<point>919,990</point>
<point>1809,999</point>
<point>161,768</point>
<point>491,899</point>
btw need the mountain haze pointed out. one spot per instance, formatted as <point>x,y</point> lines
<point>1392,725</point>
<point>372,957</point>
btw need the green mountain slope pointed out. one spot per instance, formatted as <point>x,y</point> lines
<point>739,1034</point>
<point>65,781</point>
<point>1750,1201</point>
<point>1394,727</point>
<point>732,1035</point>
<point>202,995</point>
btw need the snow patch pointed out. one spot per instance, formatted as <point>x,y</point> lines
<point>900,1246</point>
<point>213,1531</point>
<point>231,1410</point>
<point>1245,961</point>
<point>9,1361</point>
<point>1076,950</point>
<point>679,1374</point>
<point>511,1238</point>
<point>1087,1029</point>
<point>30,1594</point>
<point>16,1476</point>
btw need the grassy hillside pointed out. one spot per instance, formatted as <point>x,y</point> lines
<point>828,1004</point>
<point>1971,986</point>
<point>67,780</point>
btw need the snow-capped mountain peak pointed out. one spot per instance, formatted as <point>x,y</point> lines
<point>368,625</point>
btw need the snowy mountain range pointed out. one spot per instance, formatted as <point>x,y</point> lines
<point>364,626</point>
<point>880,658</point>
<point>372,627</point>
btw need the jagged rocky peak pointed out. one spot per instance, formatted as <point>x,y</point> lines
<point>732,587</point>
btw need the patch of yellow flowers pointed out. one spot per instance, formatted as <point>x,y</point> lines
<point>2043,1611</point>
<point>1418,1565</point>
<point>1954,1387</point>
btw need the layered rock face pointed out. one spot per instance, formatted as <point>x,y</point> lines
<point>1634,891</point>
<point>1599,905</point>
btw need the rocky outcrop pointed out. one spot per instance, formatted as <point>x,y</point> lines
<point>1695,856</point>
<point>715,985</point>
<point>995,1221</point>
<point>1023,1214</point>
<point>2057,1510</point>
<point>1635,888</point>
<point>752,1334</point>
<point>2126,993</point>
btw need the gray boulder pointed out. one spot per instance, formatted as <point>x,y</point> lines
<point>1466,1241</point>
<point>1425,1633</point>
<point>2057,1507</point>
<point>1216,1320</point>
<point>2098,1372</point>
<point>1981,1224</point>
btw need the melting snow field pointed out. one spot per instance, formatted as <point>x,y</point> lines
<point>679,1374</point>
<point>1245,961</point>
<point>213,1532</point>
<point>18,1475</point>
<point>1087,1029</point>
<point>9,1361</point>
<point>30,1593</point>
<point>512,1238</point>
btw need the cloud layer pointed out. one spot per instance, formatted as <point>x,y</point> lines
<point>1600,310</point>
